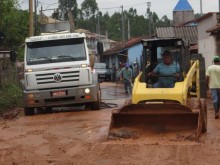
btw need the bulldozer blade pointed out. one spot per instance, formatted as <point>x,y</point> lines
<point>155,117</point>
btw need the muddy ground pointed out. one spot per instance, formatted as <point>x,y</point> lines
<point>80,137</point>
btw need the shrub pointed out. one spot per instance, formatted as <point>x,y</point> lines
<point>10,97</point>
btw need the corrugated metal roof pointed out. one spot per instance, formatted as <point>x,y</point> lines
<point>183,5</point>
<point>189,33</point>
<point>125,46</point>
<point>214,29</point>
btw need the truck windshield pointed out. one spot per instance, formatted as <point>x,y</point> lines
<point>54,51</point>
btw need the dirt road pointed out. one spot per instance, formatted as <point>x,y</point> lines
<point>80,137</point>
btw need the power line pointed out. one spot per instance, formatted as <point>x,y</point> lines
<point>139,4</point>
<point>47,4</point>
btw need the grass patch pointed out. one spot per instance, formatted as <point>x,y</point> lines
<point>10,97</point>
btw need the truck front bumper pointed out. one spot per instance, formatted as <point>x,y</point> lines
<point>60,97</point>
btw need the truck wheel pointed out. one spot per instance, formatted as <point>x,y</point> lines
<point>204,114</point>
<point>96,105</point>
<point>28,111</point>
<point>49,109</point>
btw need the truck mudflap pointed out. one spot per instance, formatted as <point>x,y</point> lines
<point>158,118</point>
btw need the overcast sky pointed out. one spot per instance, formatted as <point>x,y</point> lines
<point>161,7</point>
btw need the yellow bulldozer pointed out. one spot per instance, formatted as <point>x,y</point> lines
<point>181,108</point>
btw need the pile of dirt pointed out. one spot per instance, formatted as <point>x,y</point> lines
<point>123,133</point>
<point>12,113</point>
<point>191,136</point>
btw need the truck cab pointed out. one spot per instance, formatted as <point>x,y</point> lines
<point>57,72</point>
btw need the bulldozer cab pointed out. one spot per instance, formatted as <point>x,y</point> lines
<point>152,56</point>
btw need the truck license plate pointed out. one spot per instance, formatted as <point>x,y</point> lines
<point>58,93</point>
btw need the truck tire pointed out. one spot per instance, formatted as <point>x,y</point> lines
<point>49,109</point>
<point>28,111</point>
<point>97,104</point>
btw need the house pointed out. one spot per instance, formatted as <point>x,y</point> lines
<point>132,50</point>
<point>188,33</point>
<point>209,36</point>
<point>93,38</point>
<point>208,27</point>
<point>49,24</point>
<point>128,52</point>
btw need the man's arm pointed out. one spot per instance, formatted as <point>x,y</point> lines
<point>154,72</point>
<point>207,78</point>
<point>177,71</point>
<point>121,74</point>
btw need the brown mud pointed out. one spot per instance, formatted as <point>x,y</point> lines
<point>81,137</point>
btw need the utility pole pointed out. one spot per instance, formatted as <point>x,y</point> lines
<point>123,32</point>
<point>41,17</point>
<point>148,11</point>
<point>219,6</point>
<point>30,18</point>
<point>201,7</point>
<point>35,17</point>
<point>98,29</point>
<point>71,21</point>
<point>129,31</point>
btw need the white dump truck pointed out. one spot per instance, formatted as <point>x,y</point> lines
<point>57,73</point>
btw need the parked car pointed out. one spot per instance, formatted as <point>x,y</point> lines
<point>103,72</point>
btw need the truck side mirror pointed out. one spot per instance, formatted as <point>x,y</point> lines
<point>13,56</point>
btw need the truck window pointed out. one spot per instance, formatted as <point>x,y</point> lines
<point>54,51</point>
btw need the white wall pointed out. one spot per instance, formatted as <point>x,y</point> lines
<point>204,25</point>
<point>56,26</point>
<point>207,42</point>
<point>207,48</point>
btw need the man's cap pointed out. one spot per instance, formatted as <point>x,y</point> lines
<point>166,53</point>
<point>127,65</point>
<point>216,59</point>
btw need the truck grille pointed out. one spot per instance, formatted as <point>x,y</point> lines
<point>48,78</point>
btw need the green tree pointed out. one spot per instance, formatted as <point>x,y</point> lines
<point>164,21</point>
<point>89,11</point>
<point>197,15</point>
<point>13,23</point>
<point>87,18</point>
<point>89,8</point>
<point>62,11</point>
<point>154,21</point>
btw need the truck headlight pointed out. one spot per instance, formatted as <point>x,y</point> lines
<point>30,96</point>
<point>29,70</point>
<point>84,65</point>
<point>87,90</point>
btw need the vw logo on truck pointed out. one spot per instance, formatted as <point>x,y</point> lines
<point>57,77</point>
